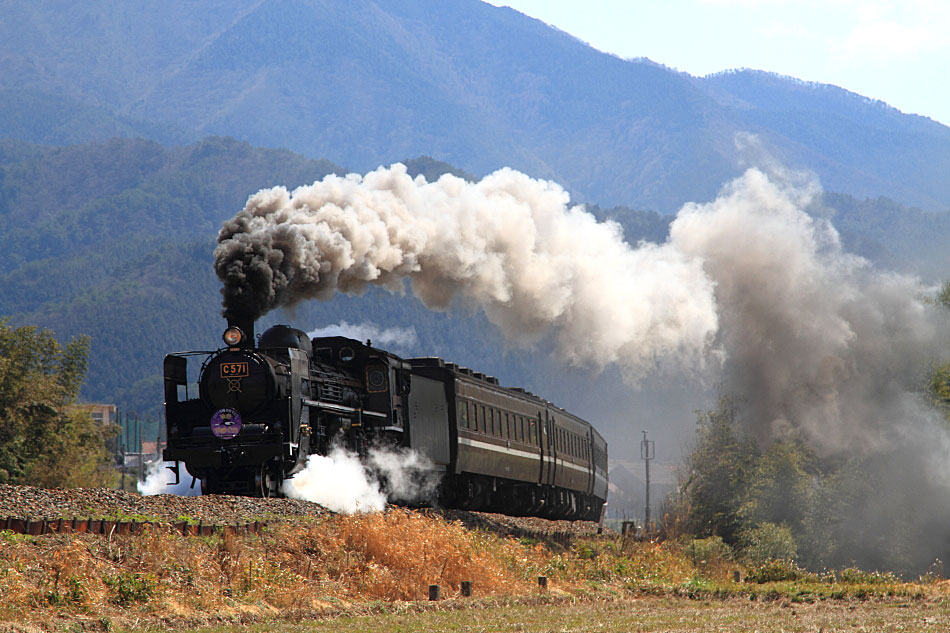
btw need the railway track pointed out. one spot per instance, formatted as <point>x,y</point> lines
<point>37,511</point>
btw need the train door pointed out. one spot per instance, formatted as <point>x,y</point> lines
<point>589,457</point>
<point>546,460</point>
<point>428,416</point>
<point>550,450</point>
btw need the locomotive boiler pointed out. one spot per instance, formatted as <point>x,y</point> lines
<point>263,407</point>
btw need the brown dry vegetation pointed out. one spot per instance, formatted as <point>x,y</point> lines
<point>347,564</point>
<point>333,561</point>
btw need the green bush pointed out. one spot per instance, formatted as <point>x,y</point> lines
<point>780,486</point>
<point>719,467</point>
<point>73,596</point>
<point>768,541</point>
<point>705,551</point>
<point>775,571</point>
<point>45,440</point>
<point>853,576</point>
<point>128,588</point>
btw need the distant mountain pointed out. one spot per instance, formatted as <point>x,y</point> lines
<point>850,141</point>
<point>478,86</point>
<point>56,119</point>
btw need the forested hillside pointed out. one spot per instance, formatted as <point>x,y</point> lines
<point>476,85</point>
<point>114,240</point>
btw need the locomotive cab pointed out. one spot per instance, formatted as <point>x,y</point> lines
<point>386,380</point>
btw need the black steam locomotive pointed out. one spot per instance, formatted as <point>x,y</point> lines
<point>262,410</point>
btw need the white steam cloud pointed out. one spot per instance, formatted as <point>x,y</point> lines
<point>509,243</point>
<point>160,481</point>
<point>393,337</point>
<point>342,483</point>
<point>338,482</point>
<point>408,476</point>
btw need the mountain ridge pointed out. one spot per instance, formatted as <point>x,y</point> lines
<point>475,85</point>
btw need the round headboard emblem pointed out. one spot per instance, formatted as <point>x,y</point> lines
<point>226,423</point>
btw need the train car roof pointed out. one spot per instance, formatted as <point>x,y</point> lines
<point>466,374</point>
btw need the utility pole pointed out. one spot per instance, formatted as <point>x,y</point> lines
<point>647,452</point>
<point>138,435</point>
<point>123,440</point>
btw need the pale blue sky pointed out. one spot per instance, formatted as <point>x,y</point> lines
<point>895,51</point>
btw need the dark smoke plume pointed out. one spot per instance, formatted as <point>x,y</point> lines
<point>820,345</point>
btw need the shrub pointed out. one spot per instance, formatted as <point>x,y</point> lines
<point>768,541</point>
<point>719,468</point>
<point>130,587</point>
<point>775,571</point>
<point>705,551</point>
<point>854,576</point>
<point>585,551</point>
<point>73,595</point>
<point>46,441</point>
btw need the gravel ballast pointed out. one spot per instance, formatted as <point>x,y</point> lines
<point>27,502</point>
<point>39,503</point>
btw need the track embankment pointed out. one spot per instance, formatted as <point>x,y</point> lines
<point>158,560</point>
<point>103,503</point>
<point>36,511</point>
<point>306,562</point>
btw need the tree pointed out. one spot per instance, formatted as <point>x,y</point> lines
<point>939,383</point>
<point>719,471</point>
<point>780,486</point>
<point>44,440</point>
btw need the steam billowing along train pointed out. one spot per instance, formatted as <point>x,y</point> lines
<point>261,411</point>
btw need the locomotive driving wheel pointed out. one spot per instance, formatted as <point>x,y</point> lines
<point>209,486</point>
<point>266,481</point>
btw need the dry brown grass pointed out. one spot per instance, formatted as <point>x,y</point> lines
<point>338,564</point>
<point>642,614</point>
<point>337,560</point>
<point>398,554</point>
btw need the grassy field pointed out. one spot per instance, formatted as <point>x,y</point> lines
<point>372,572</point>
<point>635,614</point>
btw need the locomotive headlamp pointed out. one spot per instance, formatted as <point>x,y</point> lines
<point>233,336</point>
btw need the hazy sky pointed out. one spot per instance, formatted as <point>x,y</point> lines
<point>896,51</point>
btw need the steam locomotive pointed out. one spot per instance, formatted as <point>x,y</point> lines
<point>261,410</point>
